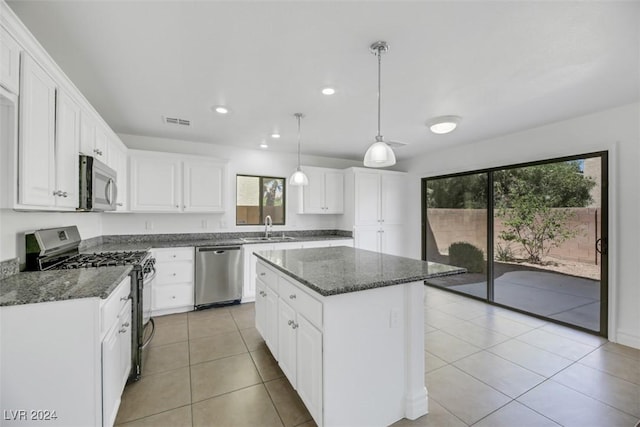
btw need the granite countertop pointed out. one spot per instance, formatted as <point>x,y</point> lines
<point>341,269</point>
<point>57,285</point>
<point>147,244</point>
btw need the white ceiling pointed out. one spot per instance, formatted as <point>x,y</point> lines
<point>503,66</point>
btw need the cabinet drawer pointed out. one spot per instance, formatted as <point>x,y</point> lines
<point>267,275</point>
<point>174,272</point>
<point>301,301</point>
<point>173,254</point>
<point>169,296</point>
<point>113,305</point>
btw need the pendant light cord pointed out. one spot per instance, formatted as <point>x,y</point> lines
<point>299,116</point>
<point>379,78</point>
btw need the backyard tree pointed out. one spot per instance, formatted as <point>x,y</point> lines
<point>533,203</point>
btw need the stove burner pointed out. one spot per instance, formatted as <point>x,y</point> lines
<point>103,259</point>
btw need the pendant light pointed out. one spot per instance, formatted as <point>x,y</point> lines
<point>379,154</point>
<point>298,177</point>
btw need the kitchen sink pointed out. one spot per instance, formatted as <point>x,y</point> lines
<point>267,239</point>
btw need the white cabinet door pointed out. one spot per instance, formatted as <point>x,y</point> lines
<point>118,159</point>
<point>392,200</point>
<point>101,143</point>
<point>124,333</point>
<point>260,307</point>
<point>309,367</point>
<point>391,240</point>
<point>367,198</point>
<point>250,261</point>
<point>87,133</point>
<point>271,309</point>
<point>313,200</point>
<point>37,135</point>
<point>367,237</point>
<point>66,153</point>
<point>9,62</point>
<point>287,341</point>
<point>204,183</point>
<point>156,184</point>
<point>334,192</point>
<point>110,376</point>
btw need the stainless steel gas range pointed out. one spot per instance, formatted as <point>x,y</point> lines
<point>57,249</point>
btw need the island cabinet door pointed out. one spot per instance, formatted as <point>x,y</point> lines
<point>271,322</point>
<point>287,327</point>
<point>309,367</point>
<point>260,307</point>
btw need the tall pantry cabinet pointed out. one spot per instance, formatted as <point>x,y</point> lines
<point>375,200</point>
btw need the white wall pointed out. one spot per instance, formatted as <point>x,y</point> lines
<point>617,130</point>
<point>14,224</point>
<point>241,161</point>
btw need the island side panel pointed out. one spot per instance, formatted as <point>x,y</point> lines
<point>416,398</point>
<point>365,357</point>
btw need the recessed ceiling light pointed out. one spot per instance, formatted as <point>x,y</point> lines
<point>264,145</point>
<point>221,109</point>
<point>328,91</point>
<point>275,135</point>
<point>443,124</point>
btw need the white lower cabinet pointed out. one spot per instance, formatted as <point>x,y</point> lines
<point>172,289</point>
<point>67,361</point>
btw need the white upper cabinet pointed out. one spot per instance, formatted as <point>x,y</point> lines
<point>156,183</point>
<point>117,154</point>
<point>325,192</point>
<point>204,181</point>
<point>93,137</point>
<point>367,198</point>
<point>67,144</point>
<point>36,157</point>
<point>165,182</point>
<point>9,62</point>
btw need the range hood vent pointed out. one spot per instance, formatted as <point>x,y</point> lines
<point>176,121</point>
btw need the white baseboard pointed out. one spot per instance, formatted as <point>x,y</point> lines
<point>628,338</point>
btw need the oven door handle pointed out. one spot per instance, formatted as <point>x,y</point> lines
<point>150,279</point>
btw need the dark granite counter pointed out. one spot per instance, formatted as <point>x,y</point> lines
<point>57,285</point>
<point>337,270</point>
<point>136,244</point>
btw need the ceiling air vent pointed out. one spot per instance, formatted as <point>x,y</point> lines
<point>176,121</point>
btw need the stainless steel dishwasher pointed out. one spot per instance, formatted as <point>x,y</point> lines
<point>218,276</point>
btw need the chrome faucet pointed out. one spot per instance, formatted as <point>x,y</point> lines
<point>268,225</point>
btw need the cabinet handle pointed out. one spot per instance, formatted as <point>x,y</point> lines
<point>57,193</point>
<point>122,331</point>
<point>292,296</point>
<point>124,298</point>
<point>184,206</point>
<point>177,206</point>
<point>125,324</point>
<point>119,204</point>
<point>174,274</point>
<point>294,325</point>
<point>290,322</point>
<point>173,297</point>
<point>173,256</point>
<point>263,274</point>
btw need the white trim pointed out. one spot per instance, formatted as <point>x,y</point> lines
<point>628,338</point>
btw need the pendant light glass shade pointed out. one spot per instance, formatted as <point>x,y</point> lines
<point>379,154</point>
<point>298,178</point>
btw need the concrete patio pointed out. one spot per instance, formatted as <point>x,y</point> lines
<point>569,299</point>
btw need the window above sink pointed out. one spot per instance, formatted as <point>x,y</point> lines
<point>257,197</point>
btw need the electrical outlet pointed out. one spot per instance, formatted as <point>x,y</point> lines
<point>205,224</point>
<point>148,225</point>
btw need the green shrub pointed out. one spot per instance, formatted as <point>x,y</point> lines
<point>463,254</point>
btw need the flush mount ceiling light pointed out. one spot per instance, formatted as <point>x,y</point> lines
<point>328,91</point>
<point>264,145</point>
<point>275,135</point>
<point>298,177</point>
<point>379,154</point>
<point>443,124</point>
<point>220,109</point>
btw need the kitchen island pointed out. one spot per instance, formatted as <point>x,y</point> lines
<point>347,328</point>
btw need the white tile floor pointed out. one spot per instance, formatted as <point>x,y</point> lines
<point>485,366</point>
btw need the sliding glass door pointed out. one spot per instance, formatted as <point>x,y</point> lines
<point>538,246</point>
